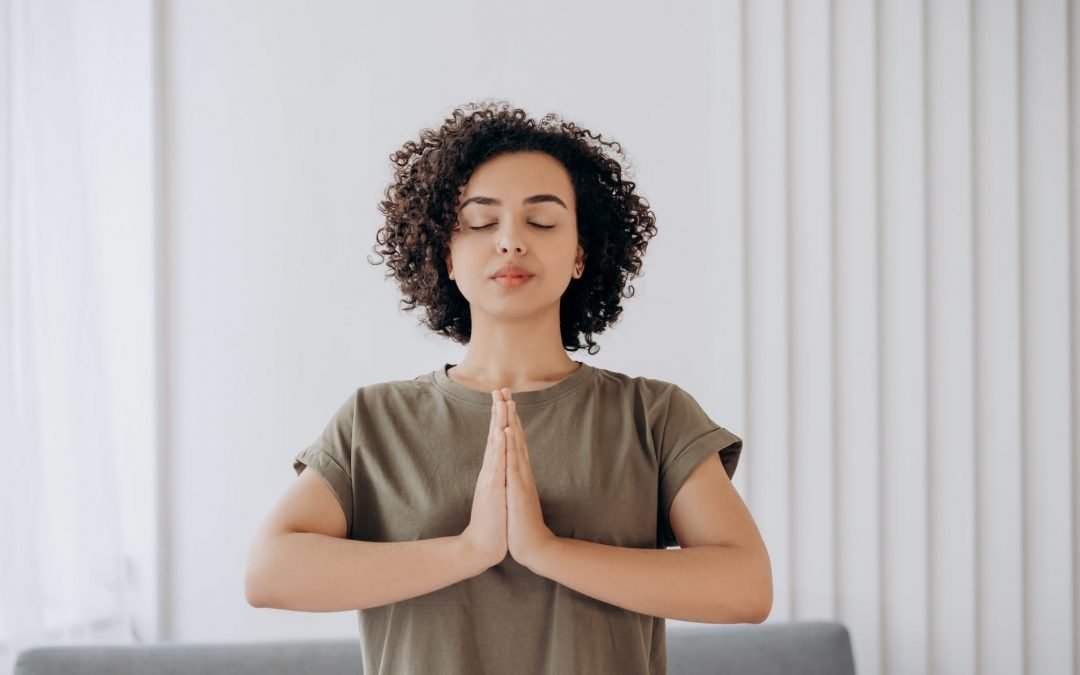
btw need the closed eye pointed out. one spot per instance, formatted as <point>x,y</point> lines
<point>542,227</point>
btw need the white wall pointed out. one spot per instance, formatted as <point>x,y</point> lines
<point>865,268</point>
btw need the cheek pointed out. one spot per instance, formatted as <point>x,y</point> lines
<point>462,257</point>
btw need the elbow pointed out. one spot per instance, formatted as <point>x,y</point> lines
<point>263,585</point>
<point>745,591</point>
<point>762,610</point>
<point>765,607</point>
<point>761,599</point>
<point>265,576</point>
<point>256,577</point>
<point>253,591</point>
<point>763,614</point>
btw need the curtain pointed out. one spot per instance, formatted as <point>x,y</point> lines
<point>905,291</point>
<point>76,217</point>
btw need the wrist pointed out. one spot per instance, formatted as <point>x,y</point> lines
<point>538,557</point>
<point>474,558</point>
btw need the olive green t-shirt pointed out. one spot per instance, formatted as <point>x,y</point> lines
<point>608,453</point>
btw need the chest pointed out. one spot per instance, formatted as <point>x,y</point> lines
<point>596,476</point>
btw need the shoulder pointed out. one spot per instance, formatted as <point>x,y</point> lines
<point>662,402</point>
<point>374,392</point>
<point>642,387</point>
<point>414,393</point>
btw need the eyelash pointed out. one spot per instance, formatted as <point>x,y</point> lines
<point>542,227</point>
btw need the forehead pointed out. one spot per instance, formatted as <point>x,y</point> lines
<point>511,177</point>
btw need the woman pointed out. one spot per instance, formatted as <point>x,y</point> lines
<point>512,513</point>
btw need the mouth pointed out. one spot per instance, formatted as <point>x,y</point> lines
<point>511,281</point>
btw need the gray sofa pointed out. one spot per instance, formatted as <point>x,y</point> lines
<point>803,648</point>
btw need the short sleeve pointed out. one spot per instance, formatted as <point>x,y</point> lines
<point>330,456</point>
<point>688,436</point>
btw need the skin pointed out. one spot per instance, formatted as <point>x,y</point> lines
<point>516,342</point>
<point>526,532</point>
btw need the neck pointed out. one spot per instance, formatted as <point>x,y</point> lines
<point>516,355</point>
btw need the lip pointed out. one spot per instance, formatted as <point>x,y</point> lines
<point>511,271</point>
<point>512,281</point>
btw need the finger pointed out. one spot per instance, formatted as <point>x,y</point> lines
<point>511,455</point>
<point>519,436</point>
<point>519,467</point>
<point>500,457</point>
<point>511,460</point>
<point>491,422</point>
<point>493,437</point>
<point>514,418</point>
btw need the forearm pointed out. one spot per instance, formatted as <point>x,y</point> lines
<point>312,572</point>
<point>707,584</point>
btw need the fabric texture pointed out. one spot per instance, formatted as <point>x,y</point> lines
<point>609,453</point>
<point>771,648</point>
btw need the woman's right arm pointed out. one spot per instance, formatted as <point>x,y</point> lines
<point>300,559</point>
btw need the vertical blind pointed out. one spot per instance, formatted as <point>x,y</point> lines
<point>900,182</point>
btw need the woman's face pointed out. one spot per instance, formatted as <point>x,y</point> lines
<point>516,208</point>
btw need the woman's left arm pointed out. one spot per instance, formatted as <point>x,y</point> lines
<point>721,573</point>
<point>707,583</point>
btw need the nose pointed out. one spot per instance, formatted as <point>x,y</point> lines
<point>510,238</point>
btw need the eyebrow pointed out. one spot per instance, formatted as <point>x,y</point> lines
<point>535,199</point>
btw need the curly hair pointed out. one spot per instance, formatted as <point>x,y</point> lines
<point>420,206</point>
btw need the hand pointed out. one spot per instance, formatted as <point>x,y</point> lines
<point>485,536</point>
<point>527,534</point>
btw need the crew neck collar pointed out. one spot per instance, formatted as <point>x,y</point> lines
<point>443,381</point>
